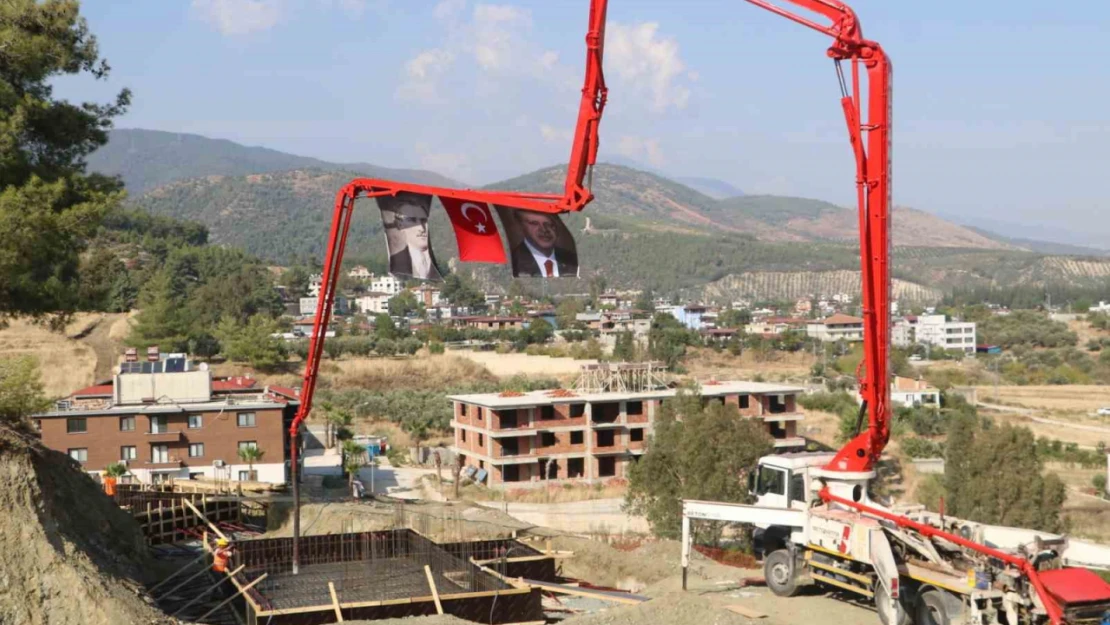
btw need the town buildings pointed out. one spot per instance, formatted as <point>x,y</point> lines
<point>169,418</point>
<point>373,303</point>
<point>386,284</point>
<point>839,327</point>
<point>935,331</point>
<point>910,392</point>
<point>541,436</point>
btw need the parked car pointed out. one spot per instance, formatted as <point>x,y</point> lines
<point>1104,411</point>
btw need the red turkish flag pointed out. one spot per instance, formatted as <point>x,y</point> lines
<point>475,231</point>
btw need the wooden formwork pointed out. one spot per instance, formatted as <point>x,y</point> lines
<point>169,515</point>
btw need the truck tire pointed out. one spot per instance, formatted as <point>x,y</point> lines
<point>882,603</point>
<point>937,607</point>
<point>779,571</point>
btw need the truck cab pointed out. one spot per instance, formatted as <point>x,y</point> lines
<point>785,480</point>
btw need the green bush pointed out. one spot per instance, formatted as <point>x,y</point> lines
<point>435,347</point>
<point>1099,482</point>
<point>916,447</point>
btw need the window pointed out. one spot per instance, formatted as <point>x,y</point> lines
<point>462,409</point>
<point>77,425</point>
<point>745,401</point>
<point>246,419</point>
<point>606,438</point>
<point>159,454</point>
<point>128,453</point>
<point>481,441</point>
<point>634,408</point>
<point>158,425</point>
<point>80,454</point>
<point>480,410</point>
<point>196,421</point>
<point>127,424</point>
<point>606,466</point>
<point>196,450</point>
<point>636,435</point>
<point>576,467</point>
<point>577,410</point>
<point>576,438</point>
<point>547,413</point>
<point>772,481</point>
<point>244,476</point>
<point>462,435</point>
<point>547,439</point>
<point>508,418</point>
<point>798,487</point>
<point>245,444</point>
<point>510,473</point>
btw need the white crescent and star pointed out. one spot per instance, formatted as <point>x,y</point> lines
<point>480,226</point>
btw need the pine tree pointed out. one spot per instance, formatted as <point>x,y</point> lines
<point>48,206</point>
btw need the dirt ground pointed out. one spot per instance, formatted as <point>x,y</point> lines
<point>508,365</point>
<point>423,371</point>
<point>71,557</point>
<point>65,364</point>
<point>1064,400</point>
<point>776,366</point>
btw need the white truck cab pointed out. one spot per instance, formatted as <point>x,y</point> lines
<point>784,480</point>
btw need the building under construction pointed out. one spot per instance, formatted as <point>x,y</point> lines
<point>385,574</point>
<point>593,431</point>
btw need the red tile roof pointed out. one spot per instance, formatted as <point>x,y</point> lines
<point>841,319</point>
<point>285,391</point>
<point>238,383</point>
<point>97,390</point>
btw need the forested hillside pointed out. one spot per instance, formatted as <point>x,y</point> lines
<point>644,231</point>
<point>145,159</point>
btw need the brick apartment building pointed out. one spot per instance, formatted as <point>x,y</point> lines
<point>557,435</point>
<point>169,419</point>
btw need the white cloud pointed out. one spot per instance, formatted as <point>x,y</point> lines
<point>447,9</point>
<point>497,30</point>
<point>238,17</point>
<point>422,74</point>
<point>552,134</point>
<point>641,148</point>
<point>647,62</point>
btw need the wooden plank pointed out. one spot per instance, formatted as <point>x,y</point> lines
<point>405,601</point>
<point>745,612</point>
<point>335,602</point>
<point>615,597</point>
<point>432,585</point>
<point>206,521</point>
<point>229,599</point>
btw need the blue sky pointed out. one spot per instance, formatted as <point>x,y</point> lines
<point>1000,109</point>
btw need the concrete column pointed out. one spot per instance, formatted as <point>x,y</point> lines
<point>589,438</point>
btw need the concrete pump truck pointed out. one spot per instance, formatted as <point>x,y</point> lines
<point>814,517</point>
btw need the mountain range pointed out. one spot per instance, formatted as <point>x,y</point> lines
<point>643,229</point>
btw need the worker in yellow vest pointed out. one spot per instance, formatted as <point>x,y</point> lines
<point>222,555</point>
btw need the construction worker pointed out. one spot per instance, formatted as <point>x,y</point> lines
<point>222,555</point>
<point>109,485</point>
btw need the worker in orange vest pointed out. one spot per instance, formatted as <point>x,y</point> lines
<point>222,555</point>
<point>110,486</point>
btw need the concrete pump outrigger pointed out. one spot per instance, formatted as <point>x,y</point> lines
<point>814,517</point>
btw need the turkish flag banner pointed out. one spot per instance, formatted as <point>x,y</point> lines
<point>475,231</point>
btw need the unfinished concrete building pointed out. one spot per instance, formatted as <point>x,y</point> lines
<point>595,431</point>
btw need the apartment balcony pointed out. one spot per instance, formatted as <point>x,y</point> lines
<point>174,436</point>
<point>170,464</point>
<point>782,416</point>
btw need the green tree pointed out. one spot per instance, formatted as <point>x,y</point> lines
<point>20,389</point>
<point>734,318</point>
<point>538,332</point>
<point>295,280</point>
<point>251,454</point>
<point>403,303</point>
<point>995,476</point>
<point>567,311</point>
<point>354,458</point>
<point>49,207</point>
<point>696,452</point>
<point>1099,482</point>
<point>386,347</point>
<point>461,291</point>
<point>384,328</point>
<point>624,350</point>
<point>116,470</point>
<point>252,342</point>
<point>645,301</point>
<point>668,338</point>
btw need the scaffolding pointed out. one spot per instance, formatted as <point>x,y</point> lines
<point>623,377</point>
<point>371,575</point>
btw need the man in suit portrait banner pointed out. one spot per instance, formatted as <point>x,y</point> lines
<point>405,220</point>
<point>541,244</point>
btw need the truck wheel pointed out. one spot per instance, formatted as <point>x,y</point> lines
<point>778,570</point>
<point>936,607</point>
<point>882,606</point>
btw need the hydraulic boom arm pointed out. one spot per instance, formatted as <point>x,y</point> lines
<point>870,142</point>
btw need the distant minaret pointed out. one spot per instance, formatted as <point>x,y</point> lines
<point>588,227</point>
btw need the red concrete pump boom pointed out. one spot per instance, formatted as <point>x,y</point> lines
<point>872,153</point>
